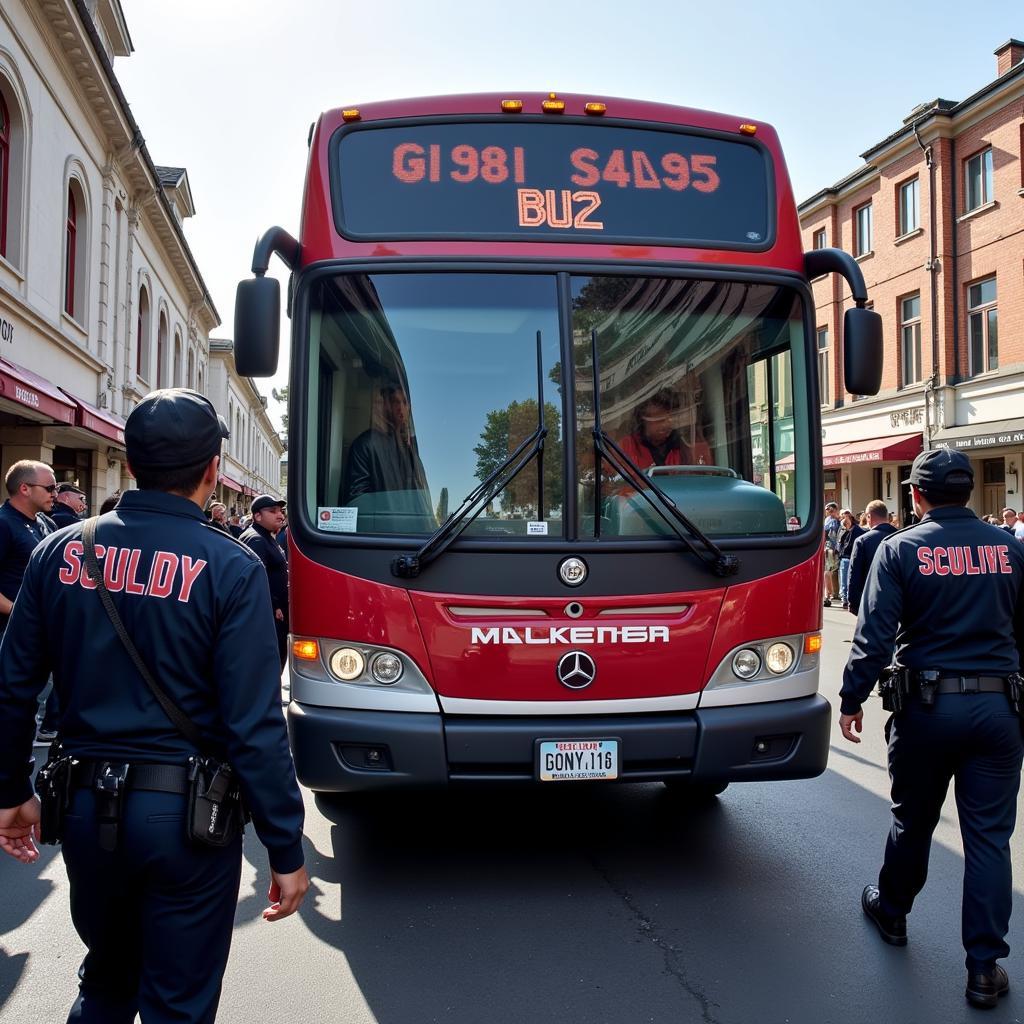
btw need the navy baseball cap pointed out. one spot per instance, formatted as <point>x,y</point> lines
<point>173,427</point>
<point>941,469</point>
<point>265,501</point>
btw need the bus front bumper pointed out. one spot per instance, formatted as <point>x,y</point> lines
<point>340,750</point>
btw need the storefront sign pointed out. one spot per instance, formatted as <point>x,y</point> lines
<point>981,440</point>
<point>6,331</point>
<point>907,417</point>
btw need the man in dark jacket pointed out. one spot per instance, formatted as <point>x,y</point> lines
<point>267,520</point>
<point>69,506</point>
<point>24,522</point>
<point>944,604</point>
<point>155,909</point>
<point>864,548</point>
<point>387,458</point>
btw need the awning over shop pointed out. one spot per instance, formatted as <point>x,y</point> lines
<point>98,421</point>
<point>35,393</point>
<point>898,448</point>
<point>981,435</point>
<point>250,493</point>
<point>231,483</point>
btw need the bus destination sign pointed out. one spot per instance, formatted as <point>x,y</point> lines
<point>573,181</point>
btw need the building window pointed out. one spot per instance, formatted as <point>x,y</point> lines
<point>70,254</point>
<point>909,196</point>
<point>191,376</point>
<point>819,239</point>
<point>983,326</point>
<point>5,171</point>
<point>76,264</point>
<point>910,339</point>
<point>142,330</point>
<point>862,219</point>
<point>14,149</point>
<point>978,179</point>
<point>161,351</point>
<point>823,378</point>
<point>176,373</point>
<point>1020,154</point>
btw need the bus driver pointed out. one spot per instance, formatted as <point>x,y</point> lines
<point>386,458</point>
<point>655,441</point>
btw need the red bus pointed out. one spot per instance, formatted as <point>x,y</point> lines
<point>554,446</point>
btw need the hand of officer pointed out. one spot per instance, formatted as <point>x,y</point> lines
<point>285,894</point>
<point>19,827</point>
<point>851,724</point>
<point>279,615</point>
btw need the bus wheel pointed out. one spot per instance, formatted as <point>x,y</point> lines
<point>695,792</point>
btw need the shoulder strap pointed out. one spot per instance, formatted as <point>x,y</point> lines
<point>173,712</point>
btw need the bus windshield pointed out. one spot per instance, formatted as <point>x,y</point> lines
<point>420,385</point>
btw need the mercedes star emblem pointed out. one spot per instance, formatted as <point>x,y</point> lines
<point>573,571</point>
<point>576,670</point>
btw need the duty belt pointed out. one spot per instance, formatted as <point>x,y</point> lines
<point>110,780</point>
<point>156,778</point>
<point>971,684</point>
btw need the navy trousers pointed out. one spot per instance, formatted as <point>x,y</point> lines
<point>975,739</point>
<point>156,913</point>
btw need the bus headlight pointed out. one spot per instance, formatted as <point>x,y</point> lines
<point>347,663</point>
<point>779,658</point>
<point>747,663</point>
<point>386,668</point>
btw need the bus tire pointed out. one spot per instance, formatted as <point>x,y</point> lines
<point>695,792</point>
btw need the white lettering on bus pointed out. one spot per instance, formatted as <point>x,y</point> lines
<point>568,635</point>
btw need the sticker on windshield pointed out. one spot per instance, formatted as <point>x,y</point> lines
<point>537,529</point>
<point>333,519</point>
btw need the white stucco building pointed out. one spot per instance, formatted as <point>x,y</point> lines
<point>251,459</point>
<point>101,299</point>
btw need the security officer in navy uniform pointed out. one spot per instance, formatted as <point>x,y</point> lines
<point>261,537</point>
<point>948,593</point>
<point>156,911</point>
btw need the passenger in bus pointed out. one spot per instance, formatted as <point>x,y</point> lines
<point>385,457</point>
<point>655,441</point>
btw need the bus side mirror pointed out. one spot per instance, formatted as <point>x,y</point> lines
<point>862,351</point>
<point>257,326</point>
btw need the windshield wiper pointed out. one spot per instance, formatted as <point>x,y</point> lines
<point>409,566</point>
<point>671,515</point>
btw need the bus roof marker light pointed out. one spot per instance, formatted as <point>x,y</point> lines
<point>553,105</point>
<point>748,129</point>
<point>511,106</point>
<point>595,109</point>
<point>351,115</point>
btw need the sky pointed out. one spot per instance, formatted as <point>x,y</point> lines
<point>229,88</point>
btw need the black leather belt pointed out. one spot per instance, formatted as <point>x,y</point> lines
<point>971,684</point>
<point>157,778</point>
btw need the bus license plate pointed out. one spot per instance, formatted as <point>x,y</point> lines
<point>575,760</point>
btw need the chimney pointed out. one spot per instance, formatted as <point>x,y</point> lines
<point>1009,55</point>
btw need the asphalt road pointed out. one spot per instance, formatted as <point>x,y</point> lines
<point>576,905</point>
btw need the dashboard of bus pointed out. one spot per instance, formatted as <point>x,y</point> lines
<point>420,384</point>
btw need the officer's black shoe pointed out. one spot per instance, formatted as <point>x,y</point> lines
<point>828,603</point>
<point>892,929</point>
<point>985,987</point>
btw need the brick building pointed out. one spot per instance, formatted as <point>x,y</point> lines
<point>935,217</point>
